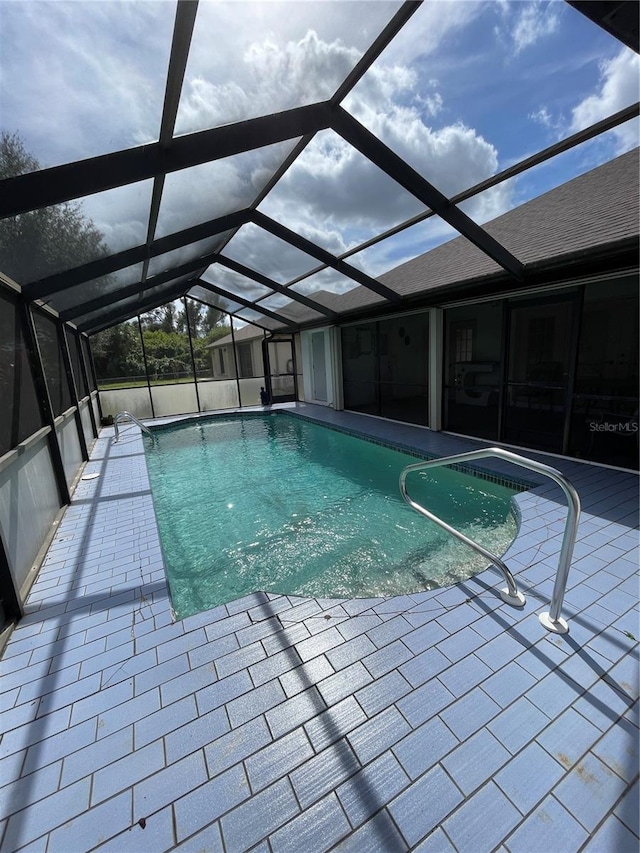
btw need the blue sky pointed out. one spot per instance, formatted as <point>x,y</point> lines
<point>465,90</point>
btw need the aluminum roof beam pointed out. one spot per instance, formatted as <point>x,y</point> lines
<point>188,267</point>
<point>548,153</point>
<point>182,33</point>
<point>121,315</point>
<point>231,314</point>
<point>274,285</point>
<point>96,174</point>
<point>408,8</point>
<point>247,303</point>
<point>378,153</point>
<point>322,255</point>
<point>118,295</point>
<point>104,266</point>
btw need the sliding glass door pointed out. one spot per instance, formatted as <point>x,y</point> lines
<point>538,369</point>
<point>386,366</point>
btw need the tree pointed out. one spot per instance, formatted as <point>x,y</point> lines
<point>201,319</point>
<point>117,352</point>
<point>46,241</point>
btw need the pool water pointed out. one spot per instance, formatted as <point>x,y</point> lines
<point>280,504</point>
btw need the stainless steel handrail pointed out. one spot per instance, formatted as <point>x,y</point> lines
<point>552,620</point>
<point>121,416</point>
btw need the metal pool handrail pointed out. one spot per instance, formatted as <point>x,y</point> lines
<point>121,416</point>
<point>552,620</point>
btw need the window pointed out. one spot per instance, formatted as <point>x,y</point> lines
<point>221,360</point>
<point>464,344</point>
<point>245,362</point>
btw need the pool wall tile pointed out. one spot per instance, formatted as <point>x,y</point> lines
<point>237,745</point>
<point>424,747</point>
<point>590,791</point>
<point>475,760</point>
<point>549,827</point>
<point>344,683</point>
<point>278,759</point>
<point>378,835</point>
<point>324,772</point>
<point>378,734</point>
<point>481,821</point>
<point>197,733</point>
<point>293,712</point>
<point>159,723</point>
<point>258,818</point>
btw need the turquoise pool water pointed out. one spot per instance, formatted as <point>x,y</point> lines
<point>279,504</point>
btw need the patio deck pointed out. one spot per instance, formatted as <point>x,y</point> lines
<point>434,722</point>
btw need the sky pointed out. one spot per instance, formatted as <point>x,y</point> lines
<point>465,90</point>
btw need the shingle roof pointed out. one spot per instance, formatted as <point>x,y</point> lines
<point>246,333</point>
<point>587,214</point>
<point>584,217</point>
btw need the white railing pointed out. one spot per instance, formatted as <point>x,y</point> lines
<point>552,620</point>
<point>122,417</point>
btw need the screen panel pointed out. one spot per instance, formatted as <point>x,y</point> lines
<point>48,332</point>
<point>18,399</point>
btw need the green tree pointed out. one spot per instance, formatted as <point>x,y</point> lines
<point>163,319</point>
<point>46,241</point>
<point>117,352</point>
<point>168,354</point>
<point>201,319</point>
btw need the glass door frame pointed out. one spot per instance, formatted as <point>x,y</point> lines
<point>573,297</point>
<point>279,339</point>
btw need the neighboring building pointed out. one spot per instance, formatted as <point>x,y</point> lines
<point>247,363</point>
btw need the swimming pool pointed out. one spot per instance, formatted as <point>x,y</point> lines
<point>277,503</point>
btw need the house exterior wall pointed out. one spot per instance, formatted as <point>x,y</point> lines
<point>553,370</point>
<point>227,370</point>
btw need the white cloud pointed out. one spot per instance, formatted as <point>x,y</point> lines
<point>543,117</point>
<point>430,28</point>
<point>273,78</point>
<point>81,79</point>
<point>213,189</point>
<point>335,197</point>
<point>534,21</point>
<point>261,251</point>
<point>619,87</point>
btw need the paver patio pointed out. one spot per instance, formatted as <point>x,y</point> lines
<point>440,721</point>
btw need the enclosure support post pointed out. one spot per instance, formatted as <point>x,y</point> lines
<point>87,384</point>
<point>235,361</point>
<point>9,598</point>
<point>44,398</point>
<point>193,361</point>
<point>146,366</point>
<point>92,364</point>
<point>66,360</point>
